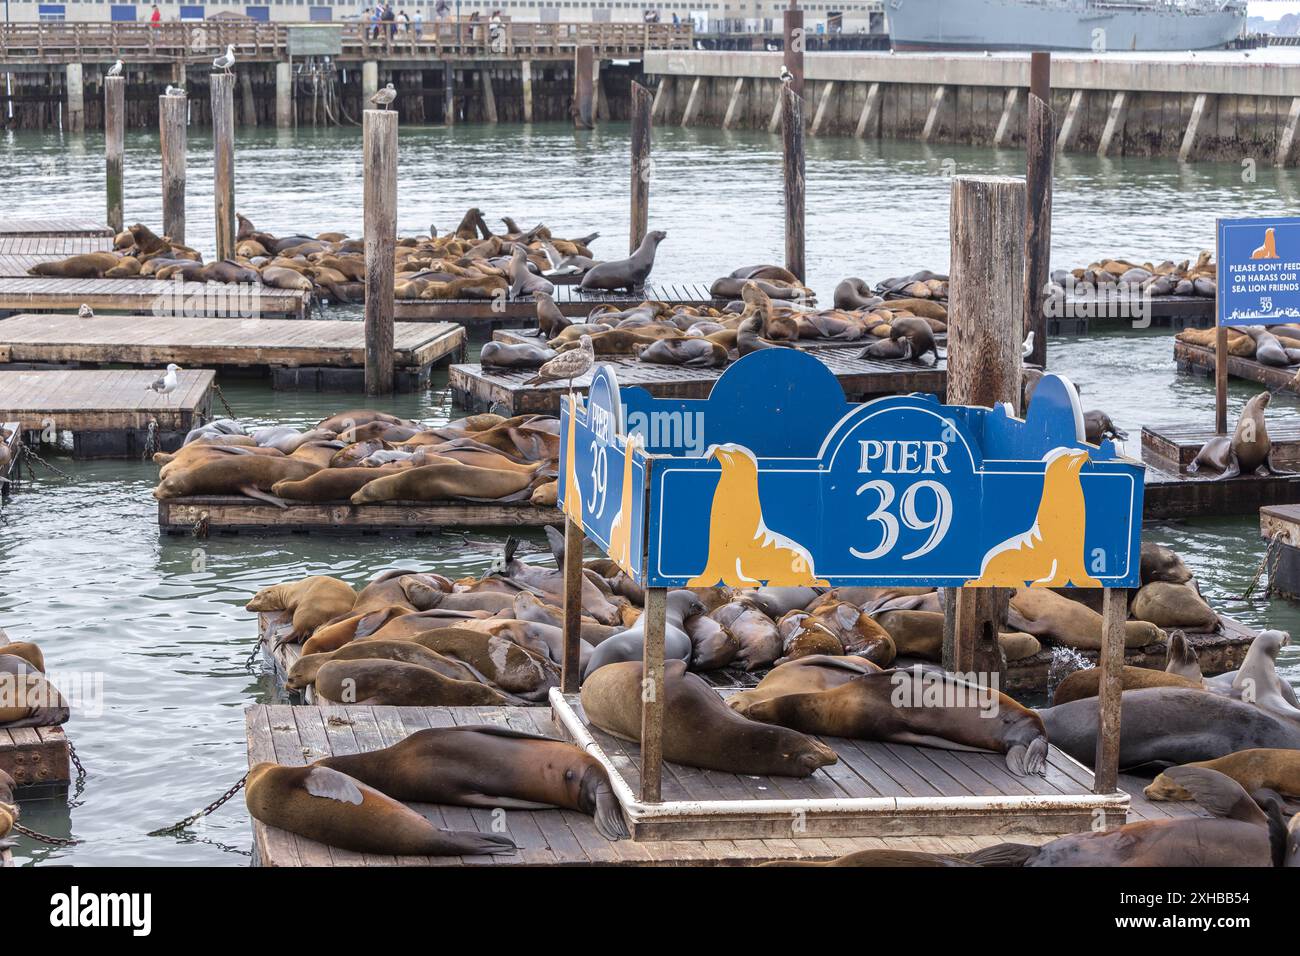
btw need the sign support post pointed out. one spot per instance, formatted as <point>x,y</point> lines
<point>652,695</point>
<point>1220,350</point>
<point>570,675</point>
<point>1114,612</point>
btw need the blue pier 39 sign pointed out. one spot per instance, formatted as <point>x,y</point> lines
<point>1259,271</point>
<point>776,479</point>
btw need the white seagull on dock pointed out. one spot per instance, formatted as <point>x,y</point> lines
<point>1027,349</point>
<point>227,61</point>
<point>115,69</point>
<point>384,97</point>
<point>174,90</point>
<point>568,365</point>
<point>85,312</point>
<point>166,384</point>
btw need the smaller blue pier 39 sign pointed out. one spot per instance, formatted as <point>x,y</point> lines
<point>1259,271</point>
<point>775,479</point>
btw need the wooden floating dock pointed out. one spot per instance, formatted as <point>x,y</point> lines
<point>1199,360</point>
<point>14,445</point>
<point>322,355</point>
<point>530,337</point>
<point>295,736</point>
<point>487,314</point>
<point>1176,312</point>
<point>1280,525</point>
<point>36,757</point>
<point>477,389</point>
<point>108,412</point>
<point>161,297</point>
<point>68,228</point>
<point>1171,492</point>
<point>233,514</point>
<point>20,253</point>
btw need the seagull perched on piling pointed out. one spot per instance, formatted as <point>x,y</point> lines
<point>786,75</point>
<point>174,90</point>
<point>384,97</point>
<point>115,69</point>
<point>166,383</point>
<point>227,61</point>
<point>1027,349</point>
<point>568,365</point>
<point>85,312</point>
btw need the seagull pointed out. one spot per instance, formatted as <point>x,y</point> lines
<point>166,384</point>
<point>227,61</point>
<point>115,69</point>
<point>384,97</point>
<point>786,75</point>
<point>1027,349</point>
<point>568,365</point>
<point>85,312</point>
<point>175,90</point>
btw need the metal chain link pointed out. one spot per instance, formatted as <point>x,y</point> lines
<point>30,456</point>
<point>212,807</point>
<point>201,525</point>
<point>150,440</point>
<point>222,397</point>
<point>1267,566</point>
<point>79,785</point>
<point>44,837</point>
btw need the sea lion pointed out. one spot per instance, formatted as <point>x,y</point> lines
<point>1044,613</point>
<point>760,641</point>
<point>332,808</point>
<point>88,265</point>
<point>344,421</point>
<point>806,675</point>
<point>1162,564</point>
<point>1248,451</point>
<point>687,352</point>
<point>1168,605</point>
<point>418,590</point>
<point>550,320</point>
<point>1254,769</point>
<point>341,631</point>
<point>1257,682</point>
<point>917,706</point>
<point>1085,683</point>
<point>523,355</point>
<point>917,633</point>
<point>251,475</point>
<point>509,667</point>
<point>1181,658</point>
<point>8,809</point>
<point>699,730</point>
<point>890,858</point>
<point>802,636</point>
<point>918,335</point>
<point>853,293</point>
<point>447,481</point>
<point>629,273</point>
<point>329,484</point>
<point>491,767</point>
<point>712,645</point>
<point>24,649</point>
<point>857,631</point>
<point>380,682</point>
<point>27,699</point>
<point>312,601</point>
<point>1097,425</point>
<point>1172,725</point>
<point>303,672</point>
<point>629,645</point>
<point>522,280</point>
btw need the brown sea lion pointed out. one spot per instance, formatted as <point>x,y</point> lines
<point>689,352</point>
<point>380,682</point>
<point>920,634</point>
<point>1181,657</point>
<point>342,630</point>
<point>712,645</point>
<point>699,729</point>
<point>1168,605</point>
<point>251,475</point>
<point>1085,683</point>
<point>418,590</point>
<point>760,641</point>
<point>87,265</point>
<point>900,706</point>
<point>522,355</point>
<point>27,699</point>
<point>802,636</point>
<point>1043,613</point>
<point>8,809</point>
<point>303,672</point>
<point>1249,450</point>
<point>492,767</point>
<point>312,601</point>
<point>443,482</point>
<point>630,273</point>
<point>332,808</point>
<point>329,484</point>
<point>509,667</point>
<point>1162,564</point>
<point>806,675</point>
<point>1254,769</point>
<point>24,649</point>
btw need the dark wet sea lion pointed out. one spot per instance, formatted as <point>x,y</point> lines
<point>895,706</point>
<point>854,293</point>
<point>760,641</point>
<point>303,672</point>
<point>332,808</point>
<point>918,334</point>
<point>1248,451</point>
<point>806,675</point>
<point>712,645</point>
<point>522,355</point>
<point>699,729</point>
<point>492,767</point>
<point>380,682</point>
<point>1172,725</point>
<point>690,352</point>
<point>629,273</point>
<point>1162,564</point>
<point>1097,425</point>
<point>27,699</point>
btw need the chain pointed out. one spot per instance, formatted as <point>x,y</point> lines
<point>222,397</point>
<point>79,784</point>
<point>31,456</point>
<point>1267,566</point>
<point>200,529</point>
<point>212,807</point>
<point>150,440</point>
<point>44,838</point>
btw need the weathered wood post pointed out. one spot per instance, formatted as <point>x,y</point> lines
<point>526,74</point>
<point>172,135</point>
<point>583,87</point>
<point>1040,145</point>
<point>571,669</point>
<point>379,141</point>
<point>985,319</point>
<point>642,168</point>
<point>114,131</point>
<point>448,93</point>
<point>1220,352</point>
<point>652,695</point>
<point>284,95</point>
<point>1114,612</point>
<point>76,120</point>
<point>793,47</point>
<point>223,169</point>
<point>792,142</point>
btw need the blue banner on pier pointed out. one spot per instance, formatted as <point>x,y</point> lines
<point>1259,271</point>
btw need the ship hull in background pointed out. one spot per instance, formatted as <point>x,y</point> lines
<point>1047,25</point>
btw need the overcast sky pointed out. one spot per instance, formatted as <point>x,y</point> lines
<point>1272,9</point>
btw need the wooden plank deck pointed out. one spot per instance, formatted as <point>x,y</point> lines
<point>232,514</point>
<point>496,313</point>
<point>1198,360</point>
<point>155,296</point>
<point>477,389</point>
<point>530,337</point>
<point>53,227</point>
<point>36,757</point>
<point>153,341</point>
<point>1178,445</point>
<point>20,253</point>
<point>109,412</point>
<point>1167,311</point>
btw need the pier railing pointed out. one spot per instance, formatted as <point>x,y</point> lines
<point>200,41</point>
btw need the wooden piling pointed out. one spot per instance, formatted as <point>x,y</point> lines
<point>792,54</point>
<point>448,94</point>
<point>571,672</point>
<point>1040,146</point>
<point>172,136</point>
<point>114,129</point>
<point>489,97</point>
<point>284,95</point>
<point>985,322</point>
<point>223,172</point>
<point>583,87</point>
<point>652,695</point>
<point>76,120</point>
<point>249,107</point>
<point>793,172</point>
<point>641,165</point>
<point>526,73</point>
<point>1114,612</point>
<point>379,143</point>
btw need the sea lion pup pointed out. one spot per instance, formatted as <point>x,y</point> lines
<point>322,804</point>
<point>699,729</point>
<point>1256,769</point>
<point>303,672</point>
<point>27,699</point>
<point>1248,451</point>
<point>312,601</point>
<point>917,706</point>
<point>806,675</point>
<point>1085,683</point>
<point>380,682</point>
<point>523,355</point>
<point>691,352</point>
<point>1168,605</point>
<point>490,767</point>
<point>1239,834</point>
<point>447,481</point>
<point>629,273</point>
<point>250,475</point>
<point>1170,725</point>
<point>629,645</point>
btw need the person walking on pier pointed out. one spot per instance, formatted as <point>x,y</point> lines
<point>419,24</point>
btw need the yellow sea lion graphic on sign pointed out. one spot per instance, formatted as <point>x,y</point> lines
<point>1051,553</point>
<point>572,492</point>
<point>743,551</point>
<point>1269,249</point>
<point>620,529</point>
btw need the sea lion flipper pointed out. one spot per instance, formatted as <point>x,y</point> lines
<point>252,491</point>
<point>1233,469</point>
<point>1003,854</point>
<point>1218,793</point>
<point>609,815</point>
<point>1274,469</point>
<point>333,785</point>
